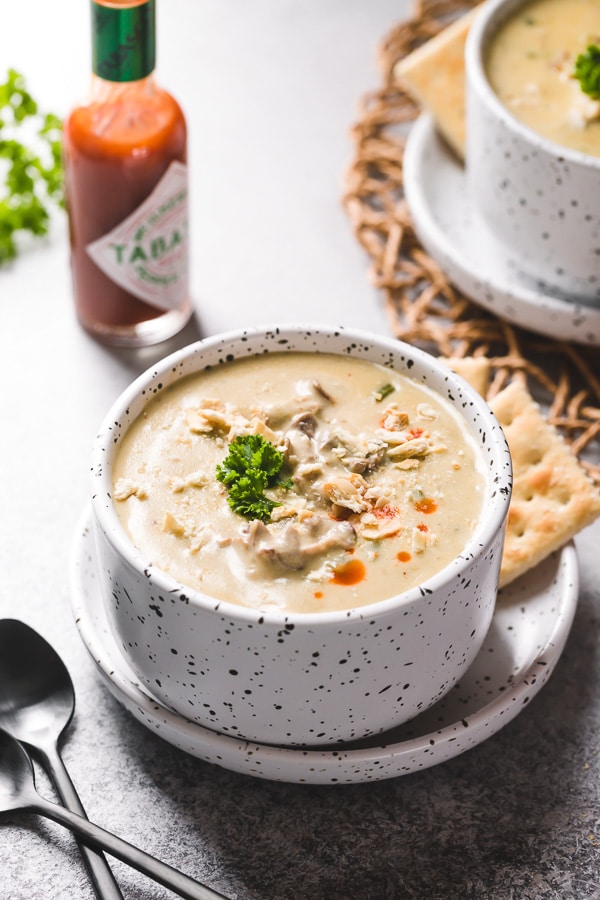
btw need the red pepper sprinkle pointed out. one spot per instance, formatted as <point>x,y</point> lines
<point>385,512</point>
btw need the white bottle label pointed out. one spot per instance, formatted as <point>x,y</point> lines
<point>147,253</point>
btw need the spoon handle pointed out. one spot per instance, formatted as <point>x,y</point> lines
<point>116,846</point>
<point>100,874</point>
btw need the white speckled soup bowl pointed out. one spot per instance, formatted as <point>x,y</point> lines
<point>300,678</point>
<point>541,200</point>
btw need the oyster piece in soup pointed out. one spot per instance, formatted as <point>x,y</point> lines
<point>531,63</point>
<point>374,483</point>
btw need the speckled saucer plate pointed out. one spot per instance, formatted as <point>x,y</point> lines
<point>456,237</point>
<point>530,626</point>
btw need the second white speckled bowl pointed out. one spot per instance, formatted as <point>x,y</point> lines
<point>300,679</point>
<point>540,199</point>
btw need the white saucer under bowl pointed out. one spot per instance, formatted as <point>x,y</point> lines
<point>530,626</point>
<point>456,237</point>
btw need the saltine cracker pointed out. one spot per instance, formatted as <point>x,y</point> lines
<point>434,74</point>
<point>553,498</point>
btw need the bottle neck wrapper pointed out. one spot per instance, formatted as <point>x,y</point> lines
<point>123,41</point>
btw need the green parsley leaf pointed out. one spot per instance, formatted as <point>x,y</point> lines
<point>587,71</point>
<point>251,466</point>
<point>31,172</point>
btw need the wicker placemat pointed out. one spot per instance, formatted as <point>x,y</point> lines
<point>423,307</point>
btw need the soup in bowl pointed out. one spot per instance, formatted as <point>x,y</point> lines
<point>533,138</point>
<point>299,531</point>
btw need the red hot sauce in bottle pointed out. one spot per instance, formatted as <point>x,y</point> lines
<point>125,158</point>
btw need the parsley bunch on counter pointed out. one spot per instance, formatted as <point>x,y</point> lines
<point>31,174</point>
<point>252,465</point>
<point>587,71</point>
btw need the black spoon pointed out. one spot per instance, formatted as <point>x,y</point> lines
<point>18,792</point>
<point>37,702</point>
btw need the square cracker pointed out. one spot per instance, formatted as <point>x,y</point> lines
<point>434,74</point>
<point>474,369</point>
<point>552,498</point>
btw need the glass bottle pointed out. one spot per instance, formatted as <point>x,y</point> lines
<point>125,154</point>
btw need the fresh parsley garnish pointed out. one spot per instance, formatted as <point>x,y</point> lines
<point>587,71</point>
<point>30,142</point>
<point>252,465</point>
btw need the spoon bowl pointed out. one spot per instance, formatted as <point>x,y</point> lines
<point>37,698</point>
<point>13,775</point>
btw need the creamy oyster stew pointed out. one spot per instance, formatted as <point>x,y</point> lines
<point>530,66</point>
<point>381,486</point>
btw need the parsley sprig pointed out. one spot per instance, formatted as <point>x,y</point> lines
<point>587,71</point>
<point>30,143</point>
<point>252,465</point>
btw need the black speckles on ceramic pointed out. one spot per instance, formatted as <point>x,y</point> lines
<point>301,679</point>
<point>539,199</point>
<point>531,622</point>
<point>457,237</point>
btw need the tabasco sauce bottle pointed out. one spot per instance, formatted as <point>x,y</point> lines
<point>126,187</point>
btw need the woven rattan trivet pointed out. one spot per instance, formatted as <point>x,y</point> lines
<point>423,307</point>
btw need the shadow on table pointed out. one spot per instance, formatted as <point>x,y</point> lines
<point>511,818</point>
<point>136,360</point>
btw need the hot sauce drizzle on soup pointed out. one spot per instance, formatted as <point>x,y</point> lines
<point>427,506</point>
<point>350,573</point>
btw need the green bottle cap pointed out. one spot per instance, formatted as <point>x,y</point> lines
<point>123,41</point>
